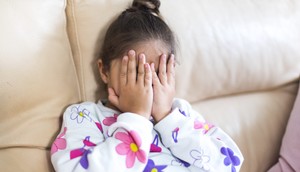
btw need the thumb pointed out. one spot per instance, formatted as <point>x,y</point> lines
<point>113,98</point>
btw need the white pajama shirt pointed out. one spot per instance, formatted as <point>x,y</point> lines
<point>96,138</point>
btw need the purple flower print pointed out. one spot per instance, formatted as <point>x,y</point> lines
<point>152,167</point>
<point>183,112</point>
<point>79,114</point>
<point>179,162</point>
<point>83,152</point>
<point>175,134</point>
<point>230,158</point>
<point>200,160</point>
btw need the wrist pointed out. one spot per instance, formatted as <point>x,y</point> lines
<point>161,115</point>
<point>142,113</point>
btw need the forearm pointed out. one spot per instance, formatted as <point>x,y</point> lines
<point>200,144</point>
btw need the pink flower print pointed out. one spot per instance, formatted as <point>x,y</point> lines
<point>99,126</point>
<point>110,120</point>
<point>79,114</point>
<point>83,153</point>
<point>154,145</point>
<point>59,143</point>
<point>130,147</point>
<point>202,125</point>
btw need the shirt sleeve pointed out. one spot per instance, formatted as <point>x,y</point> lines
<point>197,143</point>
<point>83,145</point>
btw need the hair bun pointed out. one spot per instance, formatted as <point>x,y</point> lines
<point>147,5</point>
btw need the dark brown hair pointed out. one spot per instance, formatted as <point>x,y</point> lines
<point>140,22</point>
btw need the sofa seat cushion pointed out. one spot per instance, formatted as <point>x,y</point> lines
<point>290,148</point>
<point>256,121</point>
<point>25,159</point>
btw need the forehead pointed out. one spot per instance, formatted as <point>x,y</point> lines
<point>152,49</point>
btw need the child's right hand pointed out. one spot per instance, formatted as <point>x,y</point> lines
<point>135,87</point>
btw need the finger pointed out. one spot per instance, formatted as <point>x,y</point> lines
<point>113,98</point>
<point>148,75</point>
<point>162,70</point>
<point>171,69</point>
<point>131,70</point>
<point>155,79</point>
<point>123,75</point>
<point>141,69</point>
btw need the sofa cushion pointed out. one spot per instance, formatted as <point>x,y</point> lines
<point>25,160</point>
<point>255,121</point>
<point>290,148</point>
<point>224,47</point>
<point>229,47</point>
<point>37,73</point>
<point>87,23</point>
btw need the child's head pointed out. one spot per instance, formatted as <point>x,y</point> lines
<point>139,28</point>
<point>138,24</point>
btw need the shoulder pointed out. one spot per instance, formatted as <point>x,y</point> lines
<point>83,107</point>
<point>81,113</point>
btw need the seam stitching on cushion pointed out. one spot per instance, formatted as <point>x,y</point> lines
<point>71,55</point>
<point>24,146</point>
<point>271,89</point>
<point>80,70</point>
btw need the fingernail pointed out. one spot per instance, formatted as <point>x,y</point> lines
<point>164,57</point>
<point>172,57</point>
<point>131,52</point>
<point>147,66</point>
<point>141,56</point>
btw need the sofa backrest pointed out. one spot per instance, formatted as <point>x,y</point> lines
<point>224,47</point>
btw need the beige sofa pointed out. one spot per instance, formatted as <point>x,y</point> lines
<point>239,67</point>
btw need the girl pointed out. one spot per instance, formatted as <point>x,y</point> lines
<point>141,127</point>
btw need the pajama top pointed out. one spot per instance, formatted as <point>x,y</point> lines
<point>96,138</point>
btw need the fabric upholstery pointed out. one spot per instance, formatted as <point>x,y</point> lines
<point>229,47</point>
<point>290,148</point>
<point>37,80</point>
<point>239,67</point>
<point>255,121</point>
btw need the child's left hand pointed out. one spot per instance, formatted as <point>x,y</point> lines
<point>163,87</point>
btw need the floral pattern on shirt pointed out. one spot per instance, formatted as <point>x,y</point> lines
<point>204,126</point>
<point>79,114</point>
<point>130,147</point>
<point>108,121</point>
<point>151,167</point>
<point>59,143</point>
<point>83,152</point>
<point>200,160</point>
<point>230,158</point>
